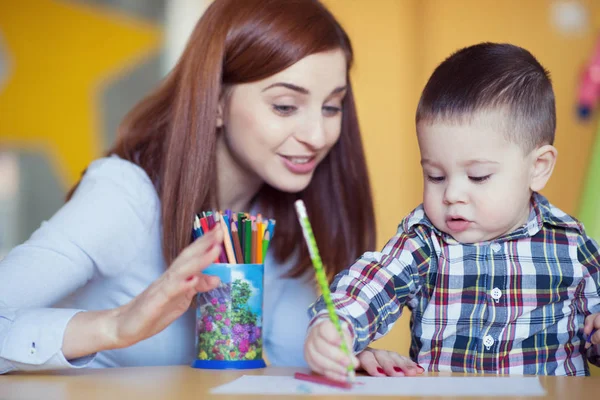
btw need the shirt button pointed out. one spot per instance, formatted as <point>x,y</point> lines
<point>488,341</point>
<point>496,294</point>
<point>495,247</point>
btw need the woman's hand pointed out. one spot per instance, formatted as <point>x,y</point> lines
<point>165,300</point>
<point>381,363</point>
<point>591,329</point>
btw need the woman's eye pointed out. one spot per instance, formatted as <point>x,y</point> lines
<point>479,179</point>
<point>331,111</point>
<point>435,179</point>
<point>283,109</point>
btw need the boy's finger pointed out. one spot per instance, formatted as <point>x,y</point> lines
<point>325,363</point>
<point>333,353</point>
<point>328,333</point>
<point>336,376</point>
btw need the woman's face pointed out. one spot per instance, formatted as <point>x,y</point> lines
<point>279,129</point>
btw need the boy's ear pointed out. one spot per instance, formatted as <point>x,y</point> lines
<point>544,159</point>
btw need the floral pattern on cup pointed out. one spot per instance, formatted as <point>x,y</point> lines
<point>227,328</point>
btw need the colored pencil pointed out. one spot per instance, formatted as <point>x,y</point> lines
<point>204,224</point>
<point>322,380</point>
<point>236,243</point>
<point>253,243</point>
<point>216,218</point>
<point>321,277</point>
<point>227,241</point>
<point>247,241</point>
<point>246,237</point>
<point>265,245</point>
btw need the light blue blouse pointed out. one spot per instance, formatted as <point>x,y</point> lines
<point>100,250</point>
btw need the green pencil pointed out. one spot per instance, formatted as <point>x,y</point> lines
<point>265,245</point>
<point>247,241</point>
<point>321,276</point>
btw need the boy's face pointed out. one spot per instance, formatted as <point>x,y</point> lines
<point>477,184</point>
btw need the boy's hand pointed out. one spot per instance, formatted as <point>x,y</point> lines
<point>592,323</point>
<point>323,353</point>
<point>387,363</point>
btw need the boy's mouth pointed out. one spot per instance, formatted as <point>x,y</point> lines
<point>457,224</point>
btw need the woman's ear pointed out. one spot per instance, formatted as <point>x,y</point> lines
<point>544,159</point>
<point>220,113</point>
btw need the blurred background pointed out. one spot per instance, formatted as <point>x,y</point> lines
<point>71,69</point>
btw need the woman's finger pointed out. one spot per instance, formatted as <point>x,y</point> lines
<point>407,365</point>
<point>206,283</point>
<point>369,363</point>
<point>588,324</point>
<point>590,327</point>
<point>200,246</point>
<point>388,363</point>
<point>195,265</point>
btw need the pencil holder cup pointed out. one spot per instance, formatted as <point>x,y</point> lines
<point>229,319</point>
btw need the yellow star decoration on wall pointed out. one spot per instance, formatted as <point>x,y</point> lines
<point>60,55</point>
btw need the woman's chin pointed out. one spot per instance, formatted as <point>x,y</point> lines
<point>293,184</point>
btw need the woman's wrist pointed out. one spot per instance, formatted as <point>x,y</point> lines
<point>90,332</point>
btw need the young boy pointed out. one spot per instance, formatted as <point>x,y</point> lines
<point>498,280</point>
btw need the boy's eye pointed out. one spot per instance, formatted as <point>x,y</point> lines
<point>283,109</point>
<point>479,179</point>
<point>435,179</point>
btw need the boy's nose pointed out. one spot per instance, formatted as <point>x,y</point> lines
<point>454,193</point>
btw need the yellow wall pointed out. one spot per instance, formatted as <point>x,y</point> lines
<point>60,57</point>
<point>386,91</point>
<point>399,43</point>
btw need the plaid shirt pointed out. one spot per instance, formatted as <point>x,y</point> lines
<point>512,305</point>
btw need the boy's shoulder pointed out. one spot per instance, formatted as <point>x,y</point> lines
<point>549,215</point>
<point>416,218</point>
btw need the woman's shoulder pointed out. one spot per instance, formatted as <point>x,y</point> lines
<point>113,214</point>
<point>119,171</point>
<point>114,176</point>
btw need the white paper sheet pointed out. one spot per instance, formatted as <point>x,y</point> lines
<point>386,386</point>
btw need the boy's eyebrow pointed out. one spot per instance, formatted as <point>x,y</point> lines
<point>467,163</point>
<point>425,161</point>
<point>479,161</point>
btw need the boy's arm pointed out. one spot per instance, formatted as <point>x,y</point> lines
<point>369,295</point>
<point>588,298</point>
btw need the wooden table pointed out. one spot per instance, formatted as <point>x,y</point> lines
<point>183,382</point>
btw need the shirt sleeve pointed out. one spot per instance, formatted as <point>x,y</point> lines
<point>94,235</point>
<point>371,293</point>
<point>587,298</point>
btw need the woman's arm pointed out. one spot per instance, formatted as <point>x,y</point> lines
<point>96,234</point>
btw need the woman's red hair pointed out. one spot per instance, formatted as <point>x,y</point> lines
<point>171,133</point>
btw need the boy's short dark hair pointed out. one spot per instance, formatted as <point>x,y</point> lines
<point>489,77</point>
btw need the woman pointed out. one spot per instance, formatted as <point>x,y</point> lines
<point>257,113</point>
